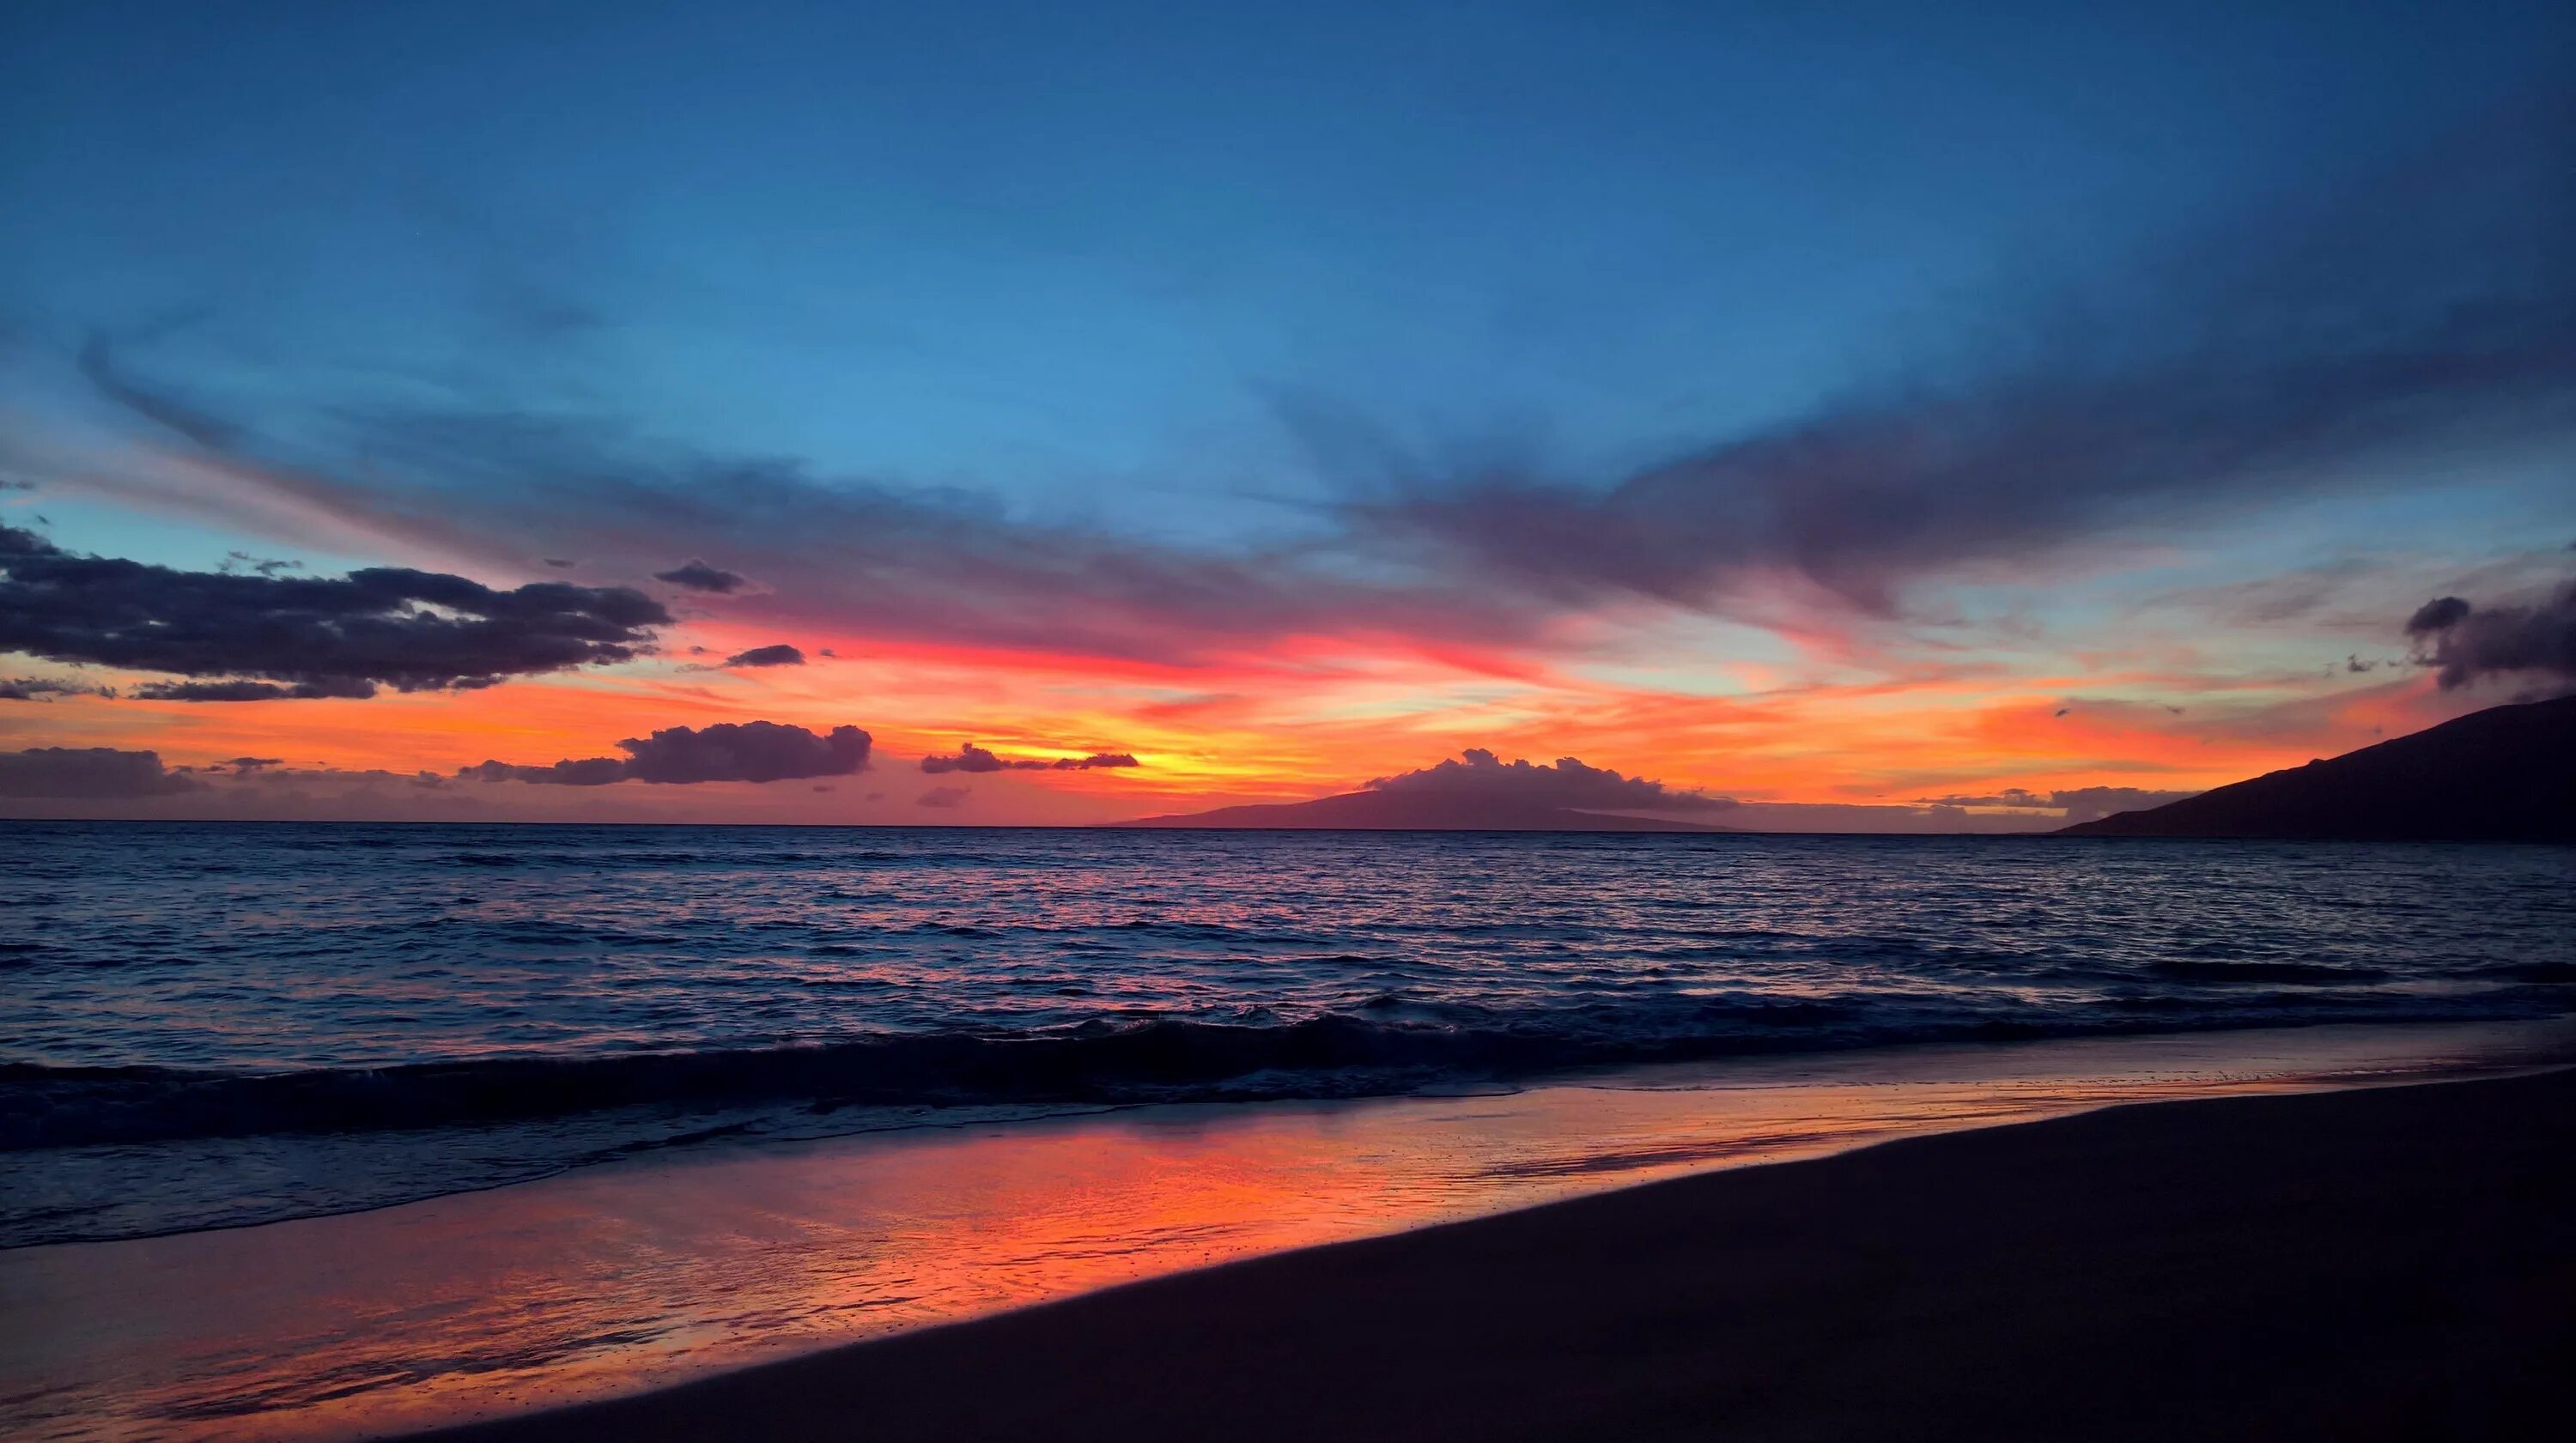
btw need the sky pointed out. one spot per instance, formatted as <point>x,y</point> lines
<point>1867,418</point>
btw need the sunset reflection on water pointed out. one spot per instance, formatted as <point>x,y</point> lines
<point>624,1276</point>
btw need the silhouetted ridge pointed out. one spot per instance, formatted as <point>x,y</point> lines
<point>1391,811</point>
<point>2506,774</point>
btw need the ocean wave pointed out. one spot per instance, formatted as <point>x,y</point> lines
<point>1401,1045</point>
<point>2187,969</point>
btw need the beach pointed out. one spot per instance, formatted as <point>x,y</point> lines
<point>720,1264</point>
<point>2374,1263</point>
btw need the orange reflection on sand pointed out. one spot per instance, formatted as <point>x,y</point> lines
<point>626,1276</point>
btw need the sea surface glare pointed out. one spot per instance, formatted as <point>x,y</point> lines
<point>212,1025</point>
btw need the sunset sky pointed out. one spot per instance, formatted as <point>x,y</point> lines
<point>1874,418</point>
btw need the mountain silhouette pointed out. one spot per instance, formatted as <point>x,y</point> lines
<point>1414,811</point>
<point>2506,774</point>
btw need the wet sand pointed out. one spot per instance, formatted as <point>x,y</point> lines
<point>2384,1263</point>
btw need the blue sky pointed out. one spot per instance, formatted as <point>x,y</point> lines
<point>1087,253</point>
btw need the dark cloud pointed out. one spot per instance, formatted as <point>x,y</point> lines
<point>584,772</point>
<point>696,575</point>
<point>2470,642</point>
<point>757,751</point>
<point>88,773</point>
<point>974,759</point>
<point>2430,306</point>
<point>560,563</point>
<point>344,688</point>
<point>943,797</point>
<point>2437,615</point>
<point>1567,782</point>
<point>305,636</point>
<point>780,655</point>
<point>970,758</point>
<point>263,566</point>
<point>46,688</point>
<point>746,752</point>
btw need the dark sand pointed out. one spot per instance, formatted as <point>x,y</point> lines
<point>2393,1263</point>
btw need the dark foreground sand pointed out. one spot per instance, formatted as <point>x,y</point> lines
<point>2396,1263</point>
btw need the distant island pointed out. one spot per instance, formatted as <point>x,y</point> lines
<point>2506,774</point>
<point>1410,811</point>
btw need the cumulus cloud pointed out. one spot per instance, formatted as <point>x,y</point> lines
<point>2471,642</point>
<point>974,759</point>
<point>746,752</point>
<point>696,575</point>
<point>756,751</point>
<point>1566,782</point>
<point>88,774</point>
<point>260,637</point>
<point>943,797</point>
<point>779,655</point>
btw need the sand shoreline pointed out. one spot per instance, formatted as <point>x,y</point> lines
<point>2387,1262</point>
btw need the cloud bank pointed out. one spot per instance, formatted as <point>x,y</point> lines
<point>89,774</point>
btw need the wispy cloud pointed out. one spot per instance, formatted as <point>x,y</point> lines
<point>2432,305</point>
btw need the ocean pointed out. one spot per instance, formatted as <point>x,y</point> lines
<point>216,1025</point>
